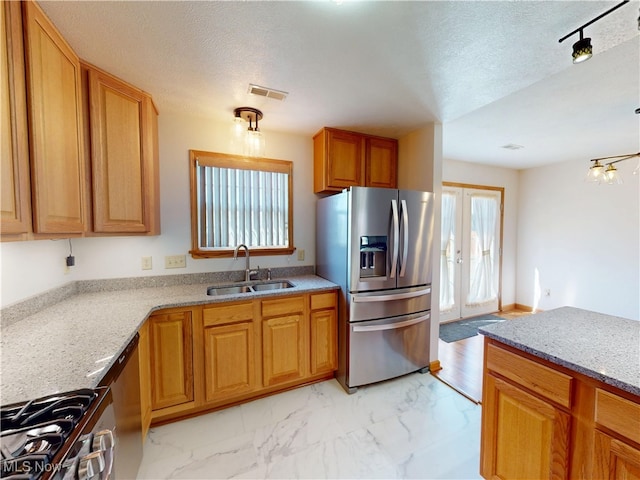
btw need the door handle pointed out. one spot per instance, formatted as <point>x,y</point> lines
<point>390,326</point>
<point>396,228</point>
<point>405,247</point>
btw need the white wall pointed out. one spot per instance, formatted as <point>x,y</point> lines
<point>474,174</point>
<point>420,168</point>
<point>580,239</point>
<point>29,268</point>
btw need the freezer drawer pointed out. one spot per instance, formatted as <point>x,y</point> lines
<point>387,348</point>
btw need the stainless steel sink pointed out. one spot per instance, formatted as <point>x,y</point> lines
<point>254,287</point>
<point>259,287</point>
<point>229,290</point>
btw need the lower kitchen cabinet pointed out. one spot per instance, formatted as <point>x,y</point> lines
<point>144,362</point>
<point>540,420</point>
<point>531,435</point>
<point>324,332</point>
<point>208,357</point>
<point>171,359</point>
<point>284,340</point>
<point>229,351</point>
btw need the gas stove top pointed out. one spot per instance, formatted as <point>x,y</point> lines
<point>38,437</point>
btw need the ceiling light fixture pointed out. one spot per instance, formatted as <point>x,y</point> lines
<point>582,49</point>
<point>607,172</point>
<point>250,141</point>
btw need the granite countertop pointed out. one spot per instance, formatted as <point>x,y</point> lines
<point>72,343</point>
<point>599,346</point>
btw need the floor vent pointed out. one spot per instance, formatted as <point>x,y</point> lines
<point>267,92</point>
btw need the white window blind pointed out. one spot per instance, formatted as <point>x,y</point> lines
<point>242,206</point>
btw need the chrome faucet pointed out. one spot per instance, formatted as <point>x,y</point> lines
<point>247,271</point>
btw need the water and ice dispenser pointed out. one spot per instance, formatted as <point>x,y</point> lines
<point>373,256</point>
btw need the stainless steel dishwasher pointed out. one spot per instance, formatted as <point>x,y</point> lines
<point>124,380</point>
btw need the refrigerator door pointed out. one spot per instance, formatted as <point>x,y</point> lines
<point>374,218</point>
<point>415,238</point>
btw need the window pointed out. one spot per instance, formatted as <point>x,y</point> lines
<point>238,200</point>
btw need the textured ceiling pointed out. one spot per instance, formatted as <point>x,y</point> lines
<point>492,73</point>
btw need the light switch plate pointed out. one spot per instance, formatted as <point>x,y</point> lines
<point>300,255</point>
<point>175,261</point>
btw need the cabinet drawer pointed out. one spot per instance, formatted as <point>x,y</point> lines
<point>282,306</point>
<point>323,300</point>
<point>619,414</point>
<point>227,314</point>
<point>542,380</point>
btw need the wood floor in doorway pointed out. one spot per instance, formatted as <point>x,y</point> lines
<point>461,362</point>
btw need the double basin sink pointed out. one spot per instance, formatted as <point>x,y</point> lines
<point>249,288</point>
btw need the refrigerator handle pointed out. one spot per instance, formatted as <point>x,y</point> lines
<point>405,246</point>
<point>390,326</point>
<point>396,233</point>
<point>389,297</point>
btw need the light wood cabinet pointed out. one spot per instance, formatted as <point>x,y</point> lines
<point>324,332</point>
<point>530,436</point>
<point>284,340</point>
<point>343,159</point>
<point>144,363</point>
<point>121,143</point>
<point>617,437</point>
<point>15,201</point>
<point>55,127</point>
<point>230,351</point>
<point>171,359</point>
<point>213,356</point>
<point>540,420</point>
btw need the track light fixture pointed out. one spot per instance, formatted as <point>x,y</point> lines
<point>582,49</point>
<point>249,140</point>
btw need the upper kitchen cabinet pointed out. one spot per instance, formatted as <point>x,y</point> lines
<point>121,138</point>
<point>343,159</point>
<point>55,133</point>
<point>15,207</point>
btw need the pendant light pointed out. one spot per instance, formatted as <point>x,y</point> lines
<point>608,173</point>
<point>248,140</point>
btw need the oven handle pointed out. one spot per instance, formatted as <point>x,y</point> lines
<point>390,326</point>
<point>393,296</point>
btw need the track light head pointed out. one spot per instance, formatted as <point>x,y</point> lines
<point>582,50</point>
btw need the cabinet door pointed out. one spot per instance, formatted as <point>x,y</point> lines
<point>171,359</point>
<point>55,121</point>
<point>15,203</point>
<point>229,360</point>
<point>615,459</point>
<point>345,159</point>
<point>283,349</point>
<point>324,332</point>
<point>324,352</point>
<point>381,162</point>
<point>121,155</point>
<point>523,436</point>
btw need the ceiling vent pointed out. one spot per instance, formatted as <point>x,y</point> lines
<point>267,92</point>
<point>512,146</point>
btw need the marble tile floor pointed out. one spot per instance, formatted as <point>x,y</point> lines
<point>410,427</point>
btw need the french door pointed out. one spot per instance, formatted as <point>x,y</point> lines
<point>470,252</point>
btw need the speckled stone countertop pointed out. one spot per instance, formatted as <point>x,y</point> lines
<point>72,343</point>
<point>599,346</point>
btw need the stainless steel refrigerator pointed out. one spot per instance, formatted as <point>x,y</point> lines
<point>376,244</point>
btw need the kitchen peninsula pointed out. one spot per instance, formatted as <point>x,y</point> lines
<point>561,397</point>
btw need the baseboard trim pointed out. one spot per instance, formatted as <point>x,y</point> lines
<point>524,308</point>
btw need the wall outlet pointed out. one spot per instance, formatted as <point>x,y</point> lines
<point>147,263</point>
<point>547,292</point>
<point>175,261</point>
<point>300,255</point>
